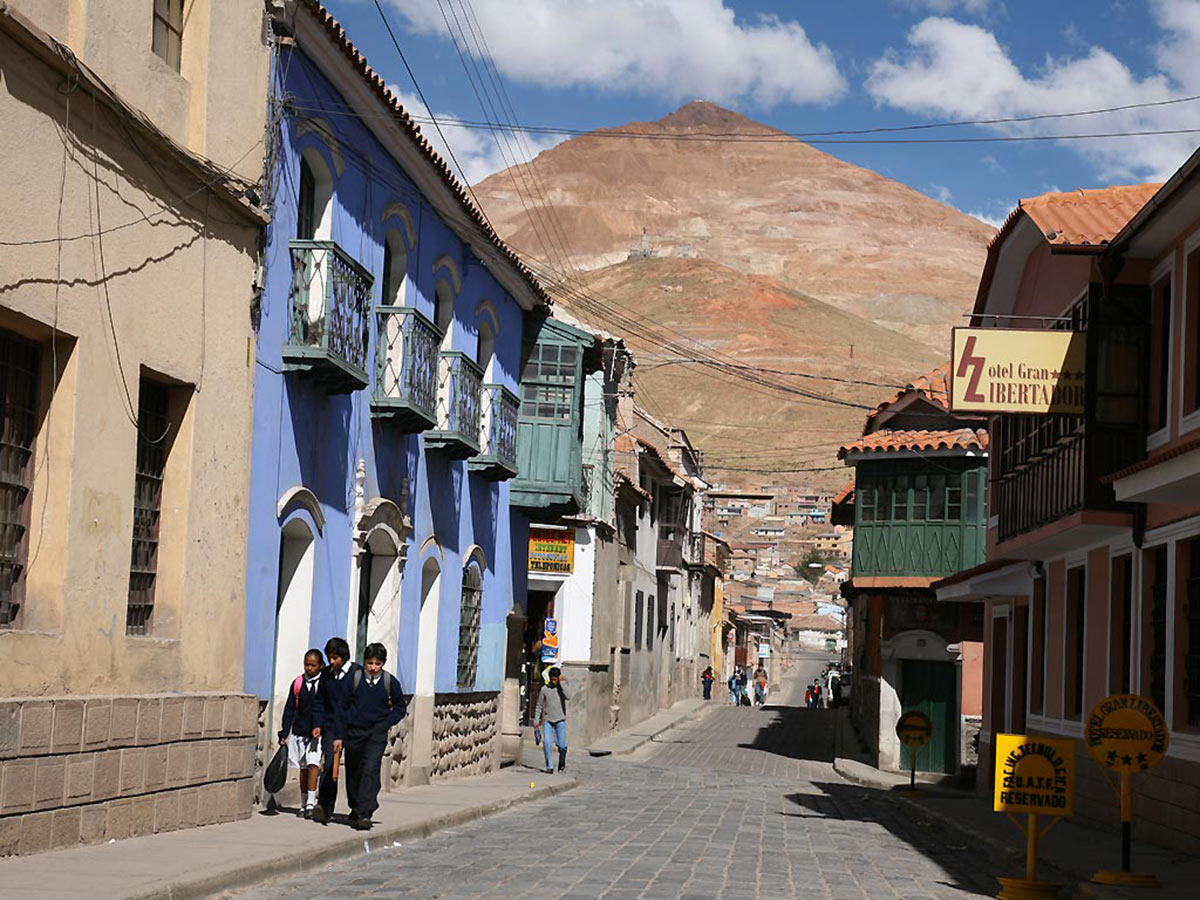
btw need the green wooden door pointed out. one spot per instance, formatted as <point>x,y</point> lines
<point>929,687</point>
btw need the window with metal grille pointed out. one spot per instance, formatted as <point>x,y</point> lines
<point>153,426</point>
<point>1156,561</point>
<point>650,623</point>
<point>19,365</point>
<point>637,620</point>
<point>468,626</point>
<point>168,31</point>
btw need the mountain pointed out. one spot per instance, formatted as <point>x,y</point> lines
<point>763,248</point>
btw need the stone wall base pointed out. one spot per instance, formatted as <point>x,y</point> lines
<point>82,770</point>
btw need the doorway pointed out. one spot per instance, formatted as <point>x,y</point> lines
<point>540,607</point>
<point>931,688</point>
<point>293,608</point>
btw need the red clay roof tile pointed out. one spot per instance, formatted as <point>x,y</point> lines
<point>897,441</point>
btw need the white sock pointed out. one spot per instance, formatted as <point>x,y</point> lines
<point>306,798</point>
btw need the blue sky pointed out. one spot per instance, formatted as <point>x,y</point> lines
<point>815,65</point>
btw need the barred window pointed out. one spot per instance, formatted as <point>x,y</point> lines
<point>168,31</point>
<point>468,626</point>
<point>19,365</point>
<point>153,426</point>
<point>548,381</point>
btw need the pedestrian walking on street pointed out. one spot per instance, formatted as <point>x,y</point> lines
<point>376,704</point>
<point>551,717</point>
<point>760,687</point>
<point>299,732</point>
<point>733,688</point>
<point>333,696</point>
<point>706,680</point>
<point>808,697</point>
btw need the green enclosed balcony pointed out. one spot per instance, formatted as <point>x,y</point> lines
<point>460,382</point>
<point>497,457</point>
<point>914,520</point>
<point>406,368</point>
<point>330,317</point>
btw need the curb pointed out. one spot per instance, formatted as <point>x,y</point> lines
<point>348,848</point>
<point>646,737</point>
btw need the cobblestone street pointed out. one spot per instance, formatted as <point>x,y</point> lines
<point>740,803</point>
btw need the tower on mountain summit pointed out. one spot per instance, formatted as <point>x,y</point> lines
<point>645,251</point>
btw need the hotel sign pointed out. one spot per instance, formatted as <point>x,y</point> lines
<point>551,550</point>
<point>1001,370</point>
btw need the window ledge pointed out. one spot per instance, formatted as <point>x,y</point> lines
<point>30,632</point>
<point>1189,422</point>
<point>1158,438</point>
<point>150,640</point>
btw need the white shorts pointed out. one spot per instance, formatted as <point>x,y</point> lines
<point>303,751</point>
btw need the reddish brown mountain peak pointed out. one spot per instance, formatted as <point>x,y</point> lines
<point>701,115</point>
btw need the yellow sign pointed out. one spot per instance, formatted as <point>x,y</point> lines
<point>551,550</point>
<point>914,729</point>
<point>1126,734</point>
<point>1034,775</point>
<point>998,370</point>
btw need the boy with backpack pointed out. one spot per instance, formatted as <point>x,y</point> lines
<point>299,733</point>
<point>375,704</point>
<point>333,695</point>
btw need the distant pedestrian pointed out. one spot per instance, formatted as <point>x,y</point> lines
<point>808,697</point>
<point>333,696</point>
<point>760,687</point>
<point>817,695</point>
<point>551,717</point>
<point>733,688</point>
<point>299,733</point>
<point>706,681</point>
<point>376,704</point>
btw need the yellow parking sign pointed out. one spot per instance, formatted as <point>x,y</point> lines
<point>1034,775</point>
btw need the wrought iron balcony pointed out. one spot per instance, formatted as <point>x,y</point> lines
<point>406,368</point>
<point>497,457</point>
<point>329,316</point>
<point>460,383</point>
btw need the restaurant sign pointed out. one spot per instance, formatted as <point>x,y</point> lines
<point>551,550</point>
<point>1001,370</point>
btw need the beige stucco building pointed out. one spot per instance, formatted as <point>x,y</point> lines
<point>128,257</point>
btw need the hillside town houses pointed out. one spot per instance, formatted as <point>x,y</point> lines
<point>322,398</point>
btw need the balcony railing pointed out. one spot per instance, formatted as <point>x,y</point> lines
<point>1043,469</point>
<point>693,549</point>
<point>329,322</point>
<point>406,368</point>
<point>497,457</point>
<point>670,548</point>
<point>460,383</point>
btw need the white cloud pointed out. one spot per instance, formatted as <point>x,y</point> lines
<point>475,149</point>
<point>989,218</point>
<point>957,70</point>
<point>944,7</point>
<point>670,49</point>
<point>941,193</point>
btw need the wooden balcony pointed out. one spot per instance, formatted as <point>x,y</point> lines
<point>460,382</point>
<point>497,457</point>
<point>670,553</point>
<point>406,368</point>
<point>329,324</point>
<point>1049,467</point>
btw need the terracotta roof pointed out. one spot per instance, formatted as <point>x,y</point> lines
<point>845,493</point>
<point>933,386</point>
<point>1081,218</point>
<point>1087,217</point>
<point>406,123</point>
<point>622,478</point>
<point>897,441</point>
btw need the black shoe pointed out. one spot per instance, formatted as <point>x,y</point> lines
<point>363,823</point>
<point>320,814</point>
<point>300,813</point>
<point>308,812</point>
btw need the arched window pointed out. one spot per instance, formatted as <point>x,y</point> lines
<point>487,349</point>
<point>468,625</point>
<point>443,309</point>
<point>395,269</point>
<point>314,220</point>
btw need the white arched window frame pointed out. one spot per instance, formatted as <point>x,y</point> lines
<point>395,269</point>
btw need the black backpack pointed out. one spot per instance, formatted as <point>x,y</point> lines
<point>388,680</point>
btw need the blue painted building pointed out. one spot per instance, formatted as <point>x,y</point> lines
<point>389,340</point>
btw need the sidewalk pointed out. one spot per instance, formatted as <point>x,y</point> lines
<point>622,743</point>
<point>200,862</point>
<point>1070,852</point>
